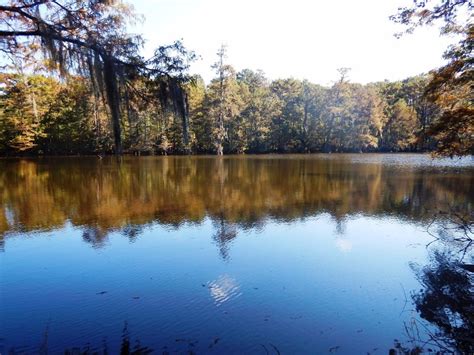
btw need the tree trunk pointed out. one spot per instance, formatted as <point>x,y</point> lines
<point>220,134</point>
<point>113,100</point>
<point>185,122</point>
<point>304,141</point>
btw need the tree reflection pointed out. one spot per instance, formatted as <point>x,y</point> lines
<point>446,299</point>
<point>129,344</point>
<point>225,233</point>
<point>94,235</point>
<point>127,348</point>
<point>132,232</point>
<point>109,195</point>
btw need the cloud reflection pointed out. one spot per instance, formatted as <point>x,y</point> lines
<point>344,245</point>
<point>223,289</point>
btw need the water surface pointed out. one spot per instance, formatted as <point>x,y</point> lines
<point>257,254</point>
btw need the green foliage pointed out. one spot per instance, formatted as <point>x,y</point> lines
<point>43,115</point>
<point>286,121</point>
<point>24,103</point>
<point>223,104</point>
<point>399,131</point>
<point>243,113</point>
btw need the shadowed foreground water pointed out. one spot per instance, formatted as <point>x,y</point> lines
<point>259,254</point>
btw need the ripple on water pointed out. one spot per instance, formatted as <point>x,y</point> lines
<point>223,289</point>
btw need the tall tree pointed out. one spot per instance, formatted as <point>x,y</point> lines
<point>368,119</point>
<point>399,130</point>
<point>201,123</point>
<point>313,99</point>
<point>223,102</point>
<point>258,109</point>
<point>337,112</point>
<point>288,116</point>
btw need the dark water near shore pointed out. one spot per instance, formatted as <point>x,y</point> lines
<point>258,254</point>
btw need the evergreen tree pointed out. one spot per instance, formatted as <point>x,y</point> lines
<point>223,103</point>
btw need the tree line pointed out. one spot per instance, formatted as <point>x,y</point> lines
<point>238,112</point>
<point>77,85</point>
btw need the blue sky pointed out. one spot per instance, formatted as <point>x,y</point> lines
<point>298,38</point>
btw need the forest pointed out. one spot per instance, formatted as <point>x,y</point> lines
<point>73,83</point>
<point>45,115</point>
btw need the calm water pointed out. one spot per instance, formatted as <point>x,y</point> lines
<point>261,254</point>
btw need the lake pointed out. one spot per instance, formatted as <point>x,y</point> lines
<point>242,254</point>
